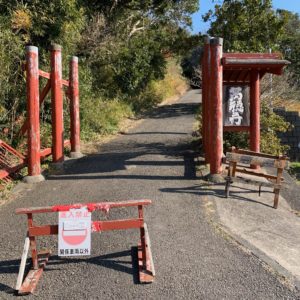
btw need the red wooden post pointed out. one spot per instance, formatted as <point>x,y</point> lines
<point>34,254</point>
<point>57,105</point>
<point>254,112</point>
<point>143,237</point>
<point>74,108</point>
<point>216,108</point>
<point>205,98</point>
<point>33,115</point>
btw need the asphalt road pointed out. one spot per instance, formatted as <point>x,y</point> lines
<point>192,260</point>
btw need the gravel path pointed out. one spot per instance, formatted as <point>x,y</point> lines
<point>192,260</point>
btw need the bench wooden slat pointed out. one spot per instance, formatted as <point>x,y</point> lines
<point>254,182</point>
<point>254,173</point>
<point>253,153</point>
<point>255,160</point>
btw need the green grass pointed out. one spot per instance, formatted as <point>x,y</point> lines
<point>101,117</point>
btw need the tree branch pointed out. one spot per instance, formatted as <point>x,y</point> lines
<point>136,28</point>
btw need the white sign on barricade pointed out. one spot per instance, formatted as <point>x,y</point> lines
<point>74,232</point>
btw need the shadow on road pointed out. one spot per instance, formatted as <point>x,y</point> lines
<point>205,190</point>
<point>131,151</point>
<point>112,261</point>
<point>173,111</point>
<point>96,165</point>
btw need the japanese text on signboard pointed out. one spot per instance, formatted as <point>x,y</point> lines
<point>74,237</point>
<point>236,106</point>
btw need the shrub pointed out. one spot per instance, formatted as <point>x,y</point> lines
<point>11,92</point>
<point>270,124</point>
<point>236,139</point>
<point>100,117</point>
<point>157,91</point>
<point>138,65</point>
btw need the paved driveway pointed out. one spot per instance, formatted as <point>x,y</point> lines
<point>192,260</point>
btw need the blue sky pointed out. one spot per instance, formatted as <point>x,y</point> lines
<point>205,5</point>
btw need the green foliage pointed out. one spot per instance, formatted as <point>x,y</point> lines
<point>295,170</point>
<point>290,43</point>
<point>44,22</point>
<point>11,77</point>
<point>270,143</point>
<point>271,121</point>
<point>191,66</point>
<point>145,100</point>
<point>98,114</point>
<point>246,25</point>
<point>158,90</point>
<point>236,139</point>
<point>138,65</point>
<point>162,11</point>
<point>122,47</point>
<point>271,124</point>
<point>102,117</point>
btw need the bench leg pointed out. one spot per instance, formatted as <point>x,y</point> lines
<point>276,190</point>
<point>227,186</point>
<point>259,190</point>
<point>276,198</point>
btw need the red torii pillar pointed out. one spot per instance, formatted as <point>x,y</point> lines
<point>206,98</point>
<point>33,111</point>
<point>57,106</point>
<point>74,108</point>
<point>216,108</point>
<point>255,111</point>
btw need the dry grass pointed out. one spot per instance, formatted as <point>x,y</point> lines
<point>277,92</point>
<point>173,85</point>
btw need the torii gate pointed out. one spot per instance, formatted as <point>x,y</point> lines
<point>232,69</point>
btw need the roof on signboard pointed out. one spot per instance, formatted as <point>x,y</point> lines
<point>237,67</point>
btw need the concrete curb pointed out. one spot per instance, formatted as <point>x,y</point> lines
<point>280,270</point>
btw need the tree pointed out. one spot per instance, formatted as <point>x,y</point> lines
<point>191,67</point>
<point>122,46</point>
<point>129,40</point>
<point>246,25</point>
<point>290,43</point>
<point>178,11</point>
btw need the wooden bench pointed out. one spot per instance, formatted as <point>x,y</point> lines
<point>249,162</point>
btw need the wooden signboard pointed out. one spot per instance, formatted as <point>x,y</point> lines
<point>236,106</point>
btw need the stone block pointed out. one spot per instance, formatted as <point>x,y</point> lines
<point>283,139</point>
<point>291,119</point>
<point>294,113</point>
<point>297,123</point>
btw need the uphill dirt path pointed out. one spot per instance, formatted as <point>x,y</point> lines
<point>192,259</point>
